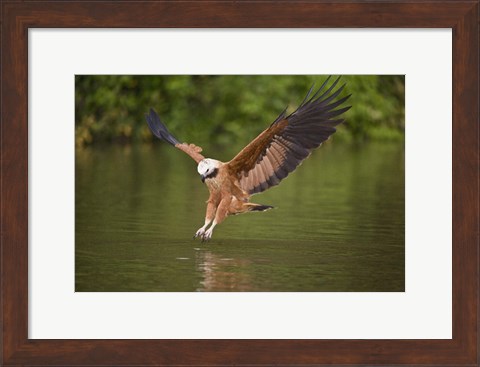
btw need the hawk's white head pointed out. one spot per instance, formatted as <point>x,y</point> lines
<point>208,168</point>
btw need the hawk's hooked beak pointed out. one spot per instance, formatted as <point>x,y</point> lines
<point>203,178</point>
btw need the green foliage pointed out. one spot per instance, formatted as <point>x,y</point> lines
<point>225,109</point>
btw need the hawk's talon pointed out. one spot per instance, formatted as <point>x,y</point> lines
<point>207,235</point>
<point>199,233</point>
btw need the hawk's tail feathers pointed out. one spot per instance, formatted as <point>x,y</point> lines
<point>259,207</point>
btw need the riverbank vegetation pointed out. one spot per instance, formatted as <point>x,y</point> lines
<point>225,109</point>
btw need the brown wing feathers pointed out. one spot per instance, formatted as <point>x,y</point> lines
<point>192,150</point>
<point>278,150</point>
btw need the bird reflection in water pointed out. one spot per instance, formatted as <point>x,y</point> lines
<point>222,274</point>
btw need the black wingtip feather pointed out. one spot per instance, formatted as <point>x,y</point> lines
<point>158,128</point>
<point>280,117</point>
<point>319,99</point>
<point>334,84</point>
<point>308,95</point>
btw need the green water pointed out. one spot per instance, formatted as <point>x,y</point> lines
<point>338,224</point>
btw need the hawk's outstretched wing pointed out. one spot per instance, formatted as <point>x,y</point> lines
<point>161,132</point>
<point>278,150</point>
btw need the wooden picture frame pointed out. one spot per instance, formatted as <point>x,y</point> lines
<point>18,17</point>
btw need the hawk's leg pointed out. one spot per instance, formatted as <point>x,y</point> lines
<point>221,214</point>
<point>211,209</point>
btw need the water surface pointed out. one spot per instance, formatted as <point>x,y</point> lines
<point>338,224</point>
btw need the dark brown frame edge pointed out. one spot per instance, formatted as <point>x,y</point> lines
<point>18,17</point>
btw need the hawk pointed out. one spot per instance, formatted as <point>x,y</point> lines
<point>267,160</point>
